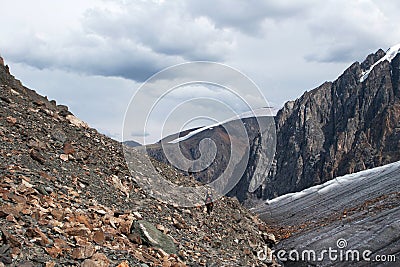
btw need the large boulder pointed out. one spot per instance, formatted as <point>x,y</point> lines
<point>150,235</point>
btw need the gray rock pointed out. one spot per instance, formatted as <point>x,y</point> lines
<point>153,237</point>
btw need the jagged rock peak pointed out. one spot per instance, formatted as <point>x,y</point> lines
<point>374,59</point>
<point>341,127</point>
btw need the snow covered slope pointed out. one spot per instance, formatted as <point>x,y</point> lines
<point>334,195</point>
<point>390,54</point>
<point>254,113</point>
<point>362,208</point>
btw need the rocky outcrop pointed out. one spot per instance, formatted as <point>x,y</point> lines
<point>340,127</point>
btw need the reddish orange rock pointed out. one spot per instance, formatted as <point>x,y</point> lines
<point>123,264</point>
<point>81,253</point>
<point>125,226</point>
<point>77,231</point>
<point>84,220</point>
<point>98,236</point>
<point>101,260</point>
<point>54,252</point>
<point>68,149</point>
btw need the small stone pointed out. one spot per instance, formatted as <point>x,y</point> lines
<point>101,260</point>
<point>26,264</point>
<point>247,252</point>
<point>77,231</point>
<point>37,144</point>
<point>26,184</point>
<point>37,233</point>
<point>68,149</point>
<point>11,120</point>
<point>153,237</point>
<point>89,263</point>
<point>163,253</point>
<point>10,239</point>
<point>135,238</point>
<point>42,190</point>
<point>123,264</point>
<point>262,228</point>
<point>76,122</point>
<point>10,218</point>
<point>83,220</point>
<point>5,99</point>
<point>59,135</point>
<point>101,212</point>
<point>269,238</point>
<point>64,157</point>
<point>137,215</point>
<point>36,155</point>
<point>81,241</point>
<point>125,226</point>
<point>81,253</point>
<point>98,236</point>
<point>49,189</point>
<point>162,228</point>
<point>54,252</point>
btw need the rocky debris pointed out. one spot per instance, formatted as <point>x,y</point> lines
<point>68,199</point>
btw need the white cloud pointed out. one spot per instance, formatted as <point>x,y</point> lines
<point>78,48</point>
<point>346,30</point>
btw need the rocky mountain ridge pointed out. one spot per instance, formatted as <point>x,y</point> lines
<point>340,127</point>
<point>68,199</point>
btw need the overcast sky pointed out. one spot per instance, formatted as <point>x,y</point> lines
<point>94,55</point>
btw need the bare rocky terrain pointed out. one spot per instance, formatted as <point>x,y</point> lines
<point>68,199</point>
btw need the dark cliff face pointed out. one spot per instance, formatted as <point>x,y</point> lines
<point>338,128</point>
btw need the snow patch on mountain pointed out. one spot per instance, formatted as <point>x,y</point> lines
<point>390,54</point>
<point>267,111</point>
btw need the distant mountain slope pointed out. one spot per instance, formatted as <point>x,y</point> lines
<point>362,208</point>
<point>341,127</point>
<point>131,143</point>
<point>252,149</point>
